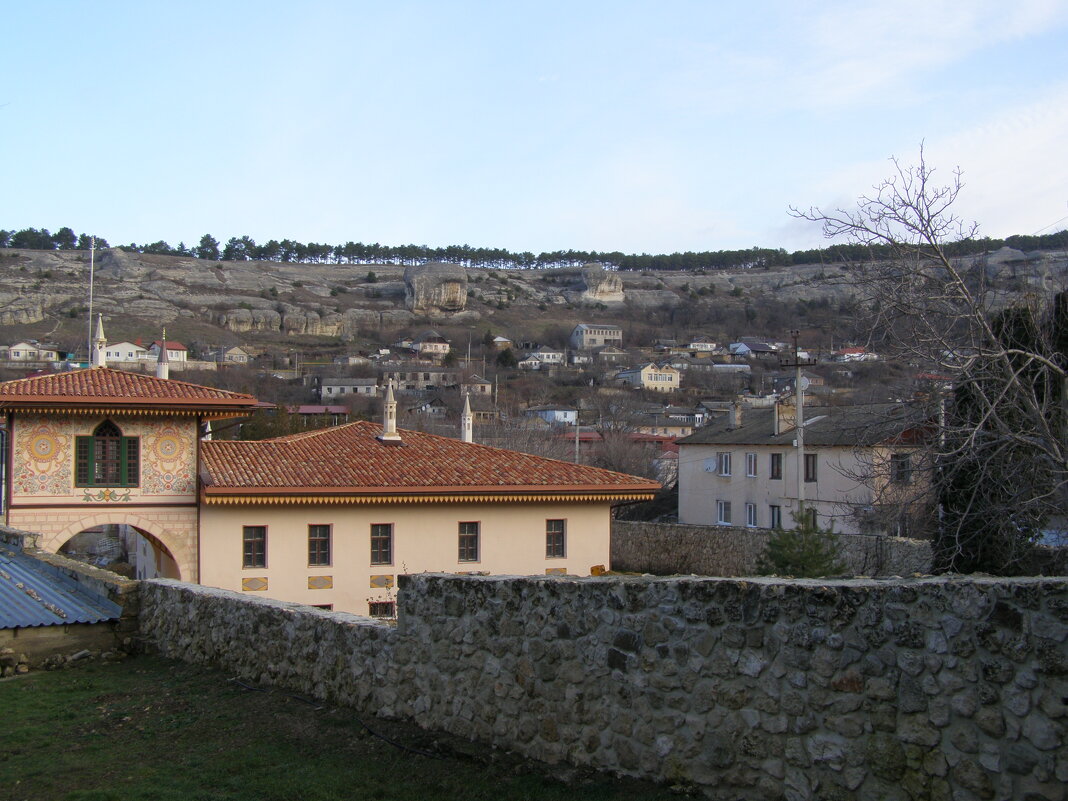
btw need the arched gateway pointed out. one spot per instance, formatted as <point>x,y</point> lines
<point>101,446</point>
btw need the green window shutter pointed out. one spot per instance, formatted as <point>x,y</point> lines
<point>131,462</point>
<point>83,461</point>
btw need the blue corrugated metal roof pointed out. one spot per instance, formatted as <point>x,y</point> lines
<point>34,593</point>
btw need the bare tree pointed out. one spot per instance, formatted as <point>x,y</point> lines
<point>1000,470</point>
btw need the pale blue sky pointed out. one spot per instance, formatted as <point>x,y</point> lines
<point>634,126</point>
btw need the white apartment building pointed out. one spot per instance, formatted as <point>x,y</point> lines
<point>858,472</point>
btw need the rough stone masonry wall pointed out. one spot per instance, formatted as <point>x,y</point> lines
<point>906,689</point>
<point>667,549</point>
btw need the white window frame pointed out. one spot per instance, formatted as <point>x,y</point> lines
<point>750,515</point>
<point>724,460</point>
<point>774,515</point>
<point>751,464</point>
<point>723,513</point>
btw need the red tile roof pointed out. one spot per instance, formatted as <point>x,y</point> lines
<point>350,460</point>
<point>104,386</point>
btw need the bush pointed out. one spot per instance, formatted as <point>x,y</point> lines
<point>806,551</point>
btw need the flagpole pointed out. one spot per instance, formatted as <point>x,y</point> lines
<point>89,342</point>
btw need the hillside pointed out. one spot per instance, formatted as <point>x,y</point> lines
<point>331,307</point>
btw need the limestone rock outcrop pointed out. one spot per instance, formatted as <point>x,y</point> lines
<point>435,288</point>
<point>602,286</point>
<point>20,310</point>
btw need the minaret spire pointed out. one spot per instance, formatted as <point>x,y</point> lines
<point>100,344</point>
<point>163,362</point>
<point>389,417</point>
<point>467,421</point>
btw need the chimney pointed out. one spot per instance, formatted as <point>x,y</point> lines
<point>100,344</point>
<point>785,416</point>
<point>163,363</point>
<point>466,421</point>
<point>389,433</point>
<point>736,414</point>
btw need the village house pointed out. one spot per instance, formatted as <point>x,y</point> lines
<point>656,378</point>
<point>176,351</point>
<point>554,414</point>
<point>430,345</point>
<point>30,351</point>
<point>587,336</point>
<point>231,355</point>
<point>476,385</point>
<point>415,377</point>
<point>859,472</point>
<point>126,352</point>
<point>331,388</point>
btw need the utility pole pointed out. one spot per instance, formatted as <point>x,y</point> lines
<point>799,420</point>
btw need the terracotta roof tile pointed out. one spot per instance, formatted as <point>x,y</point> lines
<point>98,385</point>
<point>351,458</point>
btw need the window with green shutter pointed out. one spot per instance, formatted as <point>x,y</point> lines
<point>107,458</point>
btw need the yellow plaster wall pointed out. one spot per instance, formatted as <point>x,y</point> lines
<point>425,539</point>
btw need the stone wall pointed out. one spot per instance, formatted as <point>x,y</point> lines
<point>757,689</point>
<point>670,549</point>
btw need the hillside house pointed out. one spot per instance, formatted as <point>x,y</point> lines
<point>653,377</point>
<point>430,345</point>
<point>231,355</point>
<point>587,336</point>
<point>332,388</point>
<point>176,351</point>
<point>127,352</point>
<point>476,385</point>
<point>415,377</point>
<point>859,472</point>
<point>31,351</point>
<point>552,414</point>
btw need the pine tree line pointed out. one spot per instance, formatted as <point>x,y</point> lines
<point>245,248</point>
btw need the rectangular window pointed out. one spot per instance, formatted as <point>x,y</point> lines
<point>254,539</point>
<point>468,542</point>
<point>381,543</point>
<point>750,515</point>
<point>724,463</point>
<point>382,608</point>
<point>107,461</point>
<point>751,464</point>
<point>555,539</point>
<point>810,467</point>
<point>775,470</point>
<point>723,512</point>
<point>775,516</point>
<point>318,545</point>
<point>900,468</point>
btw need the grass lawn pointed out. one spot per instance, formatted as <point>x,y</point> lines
<point>150,728</point>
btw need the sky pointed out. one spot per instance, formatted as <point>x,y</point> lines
<point>642,127</point>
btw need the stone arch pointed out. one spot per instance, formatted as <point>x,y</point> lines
<point>180,549</point>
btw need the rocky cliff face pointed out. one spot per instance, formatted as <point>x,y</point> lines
<point>271,300</point>
<point>602,286</point>
<point>435,288</point>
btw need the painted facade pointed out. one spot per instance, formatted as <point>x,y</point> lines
<point>48,492</point>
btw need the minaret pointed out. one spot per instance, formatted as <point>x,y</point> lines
<point>389,422</point>
<point>163,363</point>
<point>100,344</point>
<point>467,421</point>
